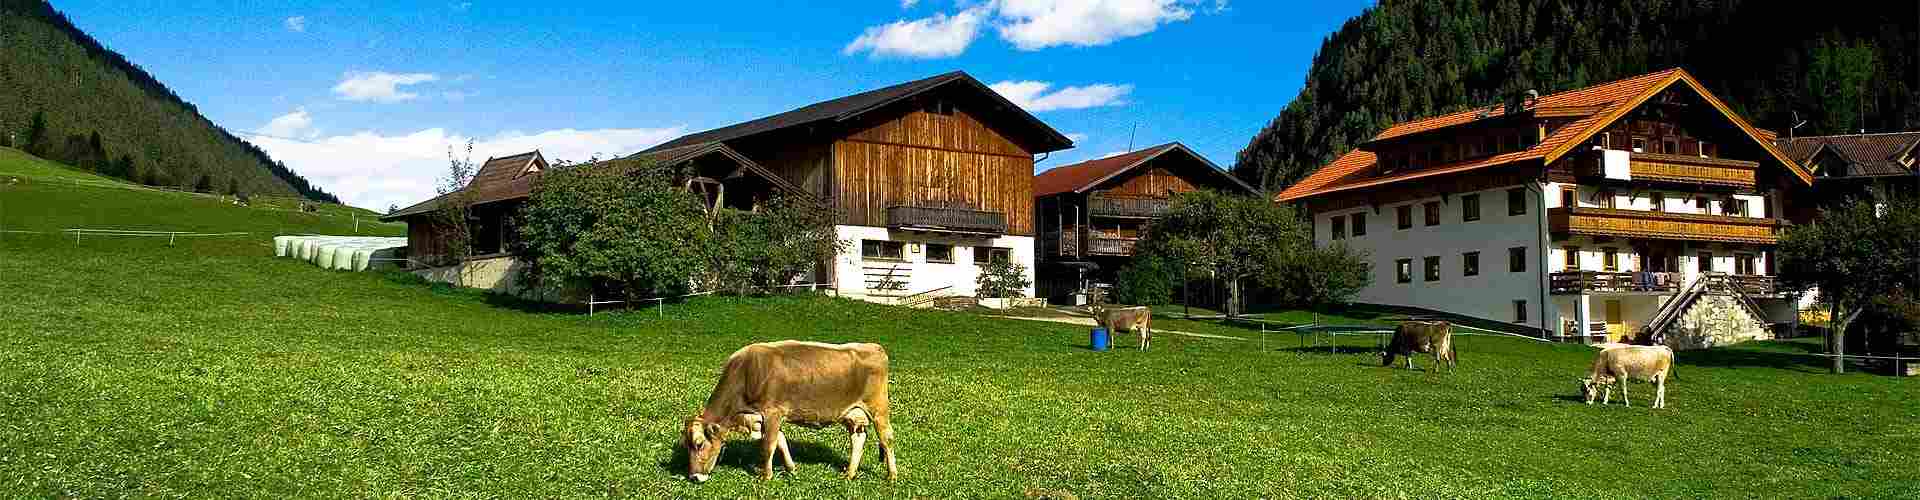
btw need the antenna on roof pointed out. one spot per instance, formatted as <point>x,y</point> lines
<point>1130,135</point>
<point>1797,123</point>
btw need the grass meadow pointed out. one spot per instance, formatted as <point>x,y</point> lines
<point>210,369</point>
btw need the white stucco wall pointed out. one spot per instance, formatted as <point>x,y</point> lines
<point>850,269</point>
<point>1491,294</point>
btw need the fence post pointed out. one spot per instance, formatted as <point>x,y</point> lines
<point>170,239</point>
<point>590,305</point>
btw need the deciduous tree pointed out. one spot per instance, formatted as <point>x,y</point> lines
<point>1854,256</point>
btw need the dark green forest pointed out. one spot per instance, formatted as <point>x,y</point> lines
<point>66,97</point>
<point>1842,66</point>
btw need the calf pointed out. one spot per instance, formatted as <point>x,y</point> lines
<point>1421,336</point>
<point>1619,364</point>
<point>810,384</point>
<point>1138,319</point>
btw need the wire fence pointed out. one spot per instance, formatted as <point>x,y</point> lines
<point>171,236</point>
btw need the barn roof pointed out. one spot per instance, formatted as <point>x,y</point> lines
<point>1044,138</point>
<point>1080,177</point>
<point>1867,155</point>
<point>1591,109</point>
<point>499,179</point>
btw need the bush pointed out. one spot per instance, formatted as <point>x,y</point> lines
<point>1002,279</point>
<point>1148,281</point>
<point>1319,277</point>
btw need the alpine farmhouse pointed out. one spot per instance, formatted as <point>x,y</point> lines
<point>1637,209</point>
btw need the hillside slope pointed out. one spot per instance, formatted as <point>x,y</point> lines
<point>66,97</point>
<point>1843,68</point>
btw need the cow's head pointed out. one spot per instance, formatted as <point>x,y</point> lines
<point>703,441</point>
<point>1590,388</point>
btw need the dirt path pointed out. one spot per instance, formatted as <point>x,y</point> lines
<point>1090,322</point>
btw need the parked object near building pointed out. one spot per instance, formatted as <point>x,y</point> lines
<point>1641,209</point>
<point>930,180</point>
<point>1092,213</point>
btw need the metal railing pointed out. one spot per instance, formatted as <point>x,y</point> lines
<point>946,219</point>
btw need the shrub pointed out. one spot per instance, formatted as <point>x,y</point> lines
<point>1148,281</point>
<point>1001,279</point>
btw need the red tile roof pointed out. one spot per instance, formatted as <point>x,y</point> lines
<point>1086,175</point>
<point>1596,107</point>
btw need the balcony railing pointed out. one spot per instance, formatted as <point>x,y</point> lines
<point>1683,169</point>
<point>1753,284</point>
<point>1102,206</point>
<point>1579,282</point>
<point>1664,225</point>
<point>1100,244</point>
<point>956,220</point>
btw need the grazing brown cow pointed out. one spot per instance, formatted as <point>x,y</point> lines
<point>1616,365</point>
<point>1421,336</point>
<point>1138,319</point>
<point>810,384</point>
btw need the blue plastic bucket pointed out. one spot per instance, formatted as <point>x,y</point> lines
<point>1100,340</point>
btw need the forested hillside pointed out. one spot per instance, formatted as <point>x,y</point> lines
<point>1841,65</point>
<point>65,97</point>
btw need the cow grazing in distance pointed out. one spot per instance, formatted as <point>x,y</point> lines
<point>1617,365</point>
<point>766,386</point>
<point>1421,336</point>
<point>1138,319</point>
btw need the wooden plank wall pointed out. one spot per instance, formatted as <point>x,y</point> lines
<point>923,159</point>
<point>1151,183</point>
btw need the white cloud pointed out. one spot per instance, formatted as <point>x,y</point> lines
<point>1034,96</point>
<point>1027,24</point>
<point>930,38</point>
<point>1038,24</point>
<point>380,86</point>
<point>297,24</point>
<point>372,170</point>
<point>295,124</point>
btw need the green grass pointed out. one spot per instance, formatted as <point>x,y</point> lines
<point>28,181</point>
<point>210,369</point>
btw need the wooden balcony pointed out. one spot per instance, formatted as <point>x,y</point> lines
<point>1663,225</point>
<point>1677,169</point>
<point>1143,208</point>
<point>1060,243</point>
<point>1601,282</point>
<point>947,220</point>
<point>1101,244</point>
<point>1756,285</point>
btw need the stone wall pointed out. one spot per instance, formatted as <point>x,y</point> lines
<point>1714,321</point>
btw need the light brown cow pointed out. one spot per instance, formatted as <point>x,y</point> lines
<point>810,384</point>
<point>1616,365</point>
<point>1421,336</point>
<point>1138,319</point>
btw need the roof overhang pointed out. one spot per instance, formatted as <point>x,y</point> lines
<point>1212,168</point>
<point>1619,112</point>
<point>1054,140</point>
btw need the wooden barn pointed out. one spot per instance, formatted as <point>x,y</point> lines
<point>1092,213</point>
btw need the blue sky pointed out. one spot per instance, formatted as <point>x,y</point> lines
<point>364,98</point>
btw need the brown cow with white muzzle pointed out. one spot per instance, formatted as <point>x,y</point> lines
<point>1421,336</point>
<point>1138,319</point>
<point>810,384</point>
<point>1617,365</point>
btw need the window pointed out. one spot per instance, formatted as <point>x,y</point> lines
<point>1492,146</point>
<point>1709,150</point>
<point>1339,227</point>
<point>1568,199</point>
<point>1433,213</point>
<point>1573,258</point>
<point>1403,271</point>
<point>1639,144</point>
<point>1405,213</point>
<point>1513,142</point>
<point>1470,208</point>
<point>1469,149</point>
<point>1606,199</point>
<point>1610,260</point>
<point>1670,146</point>
<point>1704,262</point>
<point>1659,201</point>
<point>1470,264</point>
<point>1702,204</point>
<point>1433,268</point>
<point>1600,141</point>
<point>1744,264</point>
<point>883,250</point>
<point>1519,311</point>
<point>1517,201</point>
<point>1739,208</point>
<point>985,255</point>
<point>1517,259</point>
<point>1360,224</point>
<point>941,253</point>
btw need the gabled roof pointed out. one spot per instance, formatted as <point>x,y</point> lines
<point>498,179</point>
<point>1086,175</point>
<point>853,106</point>
<point>1867,155</point>
<point>1593,109</point>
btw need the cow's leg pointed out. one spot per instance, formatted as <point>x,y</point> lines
<point>857,421</point>
<point>1145,338</point>
<point>1660,392</point>
<point>769,442</point>
<point>786,453</point>
<point>859,446</point>
<point>884,426</point>
<point>1623,393</point>
<point>1606,394</point>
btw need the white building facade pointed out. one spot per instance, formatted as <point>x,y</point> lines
<point>897,266</point>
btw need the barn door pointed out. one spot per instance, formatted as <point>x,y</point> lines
<point>1616,326</point>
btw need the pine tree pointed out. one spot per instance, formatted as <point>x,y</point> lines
<point>204,185</point>
<point>36,140</point>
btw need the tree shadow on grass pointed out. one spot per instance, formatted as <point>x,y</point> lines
<point>1788,356</point>
<point>744,455</point>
